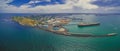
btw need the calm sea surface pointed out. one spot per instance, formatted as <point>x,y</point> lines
<point>14,37</point>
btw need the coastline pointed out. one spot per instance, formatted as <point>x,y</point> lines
<point>63,33</point>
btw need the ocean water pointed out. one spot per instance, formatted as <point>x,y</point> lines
<point>14,37</point>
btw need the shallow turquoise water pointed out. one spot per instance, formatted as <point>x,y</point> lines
<point>14,37</point>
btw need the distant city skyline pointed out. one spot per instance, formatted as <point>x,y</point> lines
<point>59,6</point>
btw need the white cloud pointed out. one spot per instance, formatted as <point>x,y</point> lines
<point>69,6</point>
<point>85,4</point>
<point>37,1</point>
<point>31,2</point>
<point>4,1</point>
<point>48,0</point>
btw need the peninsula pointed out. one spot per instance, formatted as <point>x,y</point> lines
<point>54,25</point>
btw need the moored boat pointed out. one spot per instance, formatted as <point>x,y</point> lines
<point>88,24</point>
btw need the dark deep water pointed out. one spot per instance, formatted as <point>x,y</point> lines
<point>14,37</point>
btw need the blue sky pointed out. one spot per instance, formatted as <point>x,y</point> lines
<point>43,2</point>
<point>60,6</point>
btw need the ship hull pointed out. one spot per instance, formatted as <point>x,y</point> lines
<point>94,24</point>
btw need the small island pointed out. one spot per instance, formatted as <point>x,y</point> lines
<point>54,25</point>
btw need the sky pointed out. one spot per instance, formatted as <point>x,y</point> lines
<point>59,6</point>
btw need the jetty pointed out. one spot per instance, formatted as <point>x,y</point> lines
<point>77,34</point>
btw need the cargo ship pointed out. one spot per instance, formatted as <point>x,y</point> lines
<point>88,24</point>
